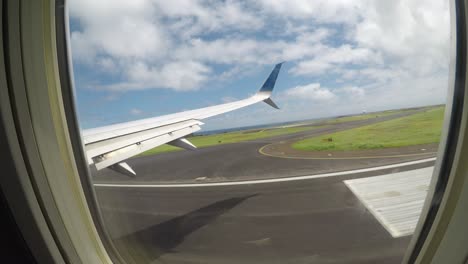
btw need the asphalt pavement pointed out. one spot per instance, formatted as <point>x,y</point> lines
<point>307,221</point>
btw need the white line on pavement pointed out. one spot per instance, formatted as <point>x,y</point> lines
<point>296,178</point>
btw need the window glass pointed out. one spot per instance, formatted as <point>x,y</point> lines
<point>337,174</point>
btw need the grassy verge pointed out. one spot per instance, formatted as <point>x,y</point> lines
<point>421,128</point>
<point>365,116</point>
<point>231,137</point>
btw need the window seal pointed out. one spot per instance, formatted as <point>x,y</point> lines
<point>65,67</point>
<point>449,146</point>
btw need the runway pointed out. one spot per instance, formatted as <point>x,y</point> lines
<point>243,161</point>
<point>307,221</point>
<point>396,167</point>
<point>231,204</point>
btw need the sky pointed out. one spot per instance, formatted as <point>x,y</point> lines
<point>144,58</point>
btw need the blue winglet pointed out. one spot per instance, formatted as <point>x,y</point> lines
<point>271,80</point>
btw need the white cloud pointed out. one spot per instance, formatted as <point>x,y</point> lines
<point>196,16</point>
<point>220,50</point>
<point>354,92</point>
<point>181,76</point>
<point>378,53</point>
<point>122,29</point>
<point>322,11</point>
<point>331,97</point>
<point>315,36</point>
<point>311,91</point>
<point>402,27</point>
<point>129,39</point>
<point>330,57</point>
<point>412,35</point>
<point>311,67</point>
<point>107,64</point>
<point>244,50</point>
<point>136,111</point>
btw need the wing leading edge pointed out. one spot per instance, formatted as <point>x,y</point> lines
<point>109,146</point>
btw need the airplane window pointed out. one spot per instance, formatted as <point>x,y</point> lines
<point>260,131</point>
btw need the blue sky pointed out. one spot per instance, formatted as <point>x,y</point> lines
<point>144,58</point>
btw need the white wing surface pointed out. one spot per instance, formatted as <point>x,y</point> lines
<point>109,146</point>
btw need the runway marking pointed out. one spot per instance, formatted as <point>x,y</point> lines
<point>261,151</point>
<point>295,178</point>
<point>395,199</point>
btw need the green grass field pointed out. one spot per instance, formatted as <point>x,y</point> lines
<point>365,116</point>
<point>231,137</point>
<point>420,128</point>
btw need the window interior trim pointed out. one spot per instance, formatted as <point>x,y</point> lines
<point>439,234</point>
<point>15,184</point>
<point>65,226</point>
<point>65,70</point>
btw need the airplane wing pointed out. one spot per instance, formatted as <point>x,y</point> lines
<point>110,146</point>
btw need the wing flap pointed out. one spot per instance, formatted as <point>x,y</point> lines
<point>124,168</point>
<point>104,146</point>
<point>115,156</point>
<point>183,143</point>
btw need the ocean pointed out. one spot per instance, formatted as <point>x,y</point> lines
<point>262,126</point>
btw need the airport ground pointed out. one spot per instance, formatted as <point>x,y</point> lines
<point>313,220</point>
<point>260,159</point>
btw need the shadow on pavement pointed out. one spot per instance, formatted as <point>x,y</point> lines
<point>148,244</point>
